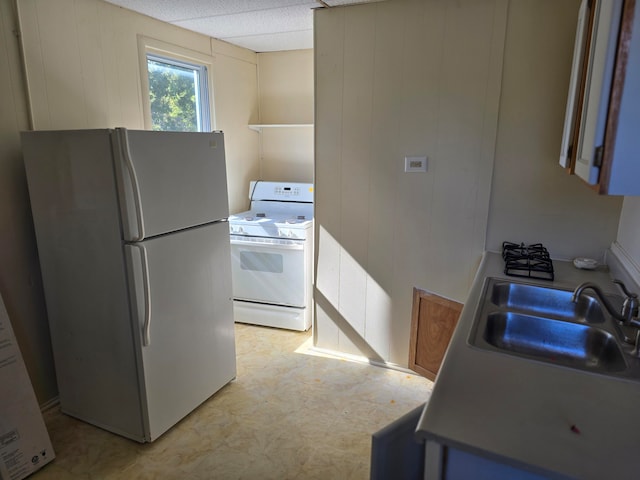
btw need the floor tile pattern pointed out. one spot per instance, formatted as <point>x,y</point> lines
<point>288,415</point>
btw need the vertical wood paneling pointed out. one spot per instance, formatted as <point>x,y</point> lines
<point>465,74</point>
<point>530,201</point>
<point>14,110</point>
<point>352,301</point>
<point>109,67</point>
<point>326,331</point>
<point>629,230</point>
<point>415,82</point>
<point>285,86</point>
<point>20,283</point>
<point>82,69</point>
<point>329,68</point>
<point>489,135</point>
<point>385,167</point>
<point>287,154</point>
<point>62,67</point>
<point>360,28</point>
<point>236,99</point>
<point>386,156</point>
<point>94,86</point>
<point>124,43</point>
<point>422,59</point>
<point>82,61</point>
<point>360,25</point>
<point>379,327</point>
<point>35,73</point>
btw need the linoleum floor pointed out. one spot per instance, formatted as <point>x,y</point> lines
<point>289,414</point>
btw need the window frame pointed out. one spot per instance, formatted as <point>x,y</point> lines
<point>180,57</point>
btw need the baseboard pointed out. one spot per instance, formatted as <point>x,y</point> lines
<point>49,404</point>
<point>623,266</point>
<point>359,359</point>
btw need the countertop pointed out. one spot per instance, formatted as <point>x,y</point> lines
<point>521,412</point>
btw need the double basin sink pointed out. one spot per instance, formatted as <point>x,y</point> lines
<point>544,324</point>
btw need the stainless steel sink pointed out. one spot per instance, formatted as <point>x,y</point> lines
<point>543,324</point>
<point>563,343</point>
<point>547,302</point>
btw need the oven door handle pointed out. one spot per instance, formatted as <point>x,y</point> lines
<point>287,245</point>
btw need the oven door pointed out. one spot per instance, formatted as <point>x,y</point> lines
<point>268,270</point>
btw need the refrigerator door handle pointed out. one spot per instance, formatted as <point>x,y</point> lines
<point>126,153</point>
<point>146,328</point>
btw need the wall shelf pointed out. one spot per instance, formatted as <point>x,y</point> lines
<point>259,127</point>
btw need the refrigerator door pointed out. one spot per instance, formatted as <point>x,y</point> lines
<point>183,320</point>
<point>168,181</point>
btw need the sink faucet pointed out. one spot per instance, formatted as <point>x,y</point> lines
<point>629,314</point>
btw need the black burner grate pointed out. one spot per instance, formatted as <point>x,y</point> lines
<point>529,261</point>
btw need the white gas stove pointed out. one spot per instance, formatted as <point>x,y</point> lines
<point>272,256</point>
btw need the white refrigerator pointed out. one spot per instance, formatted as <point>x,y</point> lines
<point>135,257</point>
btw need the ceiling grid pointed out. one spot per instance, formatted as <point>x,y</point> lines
<point>259,25</point>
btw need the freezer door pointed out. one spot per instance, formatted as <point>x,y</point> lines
<point>168,181</point>
<point>183,319</point>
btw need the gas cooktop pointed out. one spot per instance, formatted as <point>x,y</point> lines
<point>529,261</point>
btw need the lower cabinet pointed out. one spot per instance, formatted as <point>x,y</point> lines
<point>442,462</point>
<point>433,321</point>
<point>396,452</point>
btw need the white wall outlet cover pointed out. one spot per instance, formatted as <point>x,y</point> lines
<point>415,164</point>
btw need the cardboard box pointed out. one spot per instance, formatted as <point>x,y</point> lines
<point>25,446</point>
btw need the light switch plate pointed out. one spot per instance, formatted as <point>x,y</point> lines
<point>415,164</point>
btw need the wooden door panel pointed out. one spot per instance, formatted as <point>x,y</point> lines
<point>433,321</point>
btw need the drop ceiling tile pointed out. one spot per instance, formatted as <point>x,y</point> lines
<point>275,42</point>
<point>241,22</point>
<point>172,10</point>
<point>336,3</point>
<point>285,19</point>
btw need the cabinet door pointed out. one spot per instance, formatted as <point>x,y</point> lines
<point>576,86</point>
<point>600,141</point>
<point>620,167</point>
<point>432,323</point>
<point>598,81</point>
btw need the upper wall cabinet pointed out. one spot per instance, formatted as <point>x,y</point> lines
<point>601,139</point>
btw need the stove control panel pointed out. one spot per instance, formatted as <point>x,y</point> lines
<point>280,191</point>
<point>286,191</point>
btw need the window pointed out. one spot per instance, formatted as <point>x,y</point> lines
<point>178,94</point>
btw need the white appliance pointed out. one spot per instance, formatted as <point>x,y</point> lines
<point>134,251</point>
<point>272,256</point>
